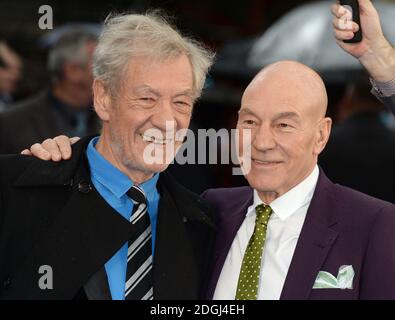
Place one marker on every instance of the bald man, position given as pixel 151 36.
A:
pixel 292 234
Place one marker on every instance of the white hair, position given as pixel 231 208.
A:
pixel 126 36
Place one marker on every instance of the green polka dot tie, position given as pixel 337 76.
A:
pixel 247 287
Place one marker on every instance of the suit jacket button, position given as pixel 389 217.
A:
pixel 184 219
pixel 84 187
pixel 7 283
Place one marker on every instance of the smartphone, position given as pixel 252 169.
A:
pixel 353 6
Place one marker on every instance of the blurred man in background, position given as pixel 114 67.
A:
pixel 10 73
pixel 64 108
pixel 375 53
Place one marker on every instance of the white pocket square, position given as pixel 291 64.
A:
pixel 344 279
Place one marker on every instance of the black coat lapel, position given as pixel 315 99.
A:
pixel 84 236
pixel 184 235
pixel 97 287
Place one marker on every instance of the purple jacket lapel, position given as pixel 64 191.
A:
pixel 314 244
pixel 229 224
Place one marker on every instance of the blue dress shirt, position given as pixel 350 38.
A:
pixel 112 185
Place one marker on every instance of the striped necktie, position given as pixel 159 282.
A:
pixel 139 284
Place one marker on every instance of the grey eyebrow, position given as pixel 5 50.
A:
pixel 187 92
pixel 146 87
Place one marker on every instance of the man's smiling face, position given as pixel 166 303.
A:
pixel 288 130
pixel 154 102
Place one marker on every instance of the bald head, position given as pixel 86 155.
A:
pixel 283 109
pixel 292 81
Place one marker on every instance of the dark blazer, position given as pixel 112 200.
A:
pixel 32 121
pixel 342 227
pixel 50 214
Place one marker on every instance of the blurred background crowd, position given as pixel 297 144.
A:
pixel 45 77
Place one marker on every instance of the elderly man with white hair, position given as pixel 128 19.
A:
pixel 108 224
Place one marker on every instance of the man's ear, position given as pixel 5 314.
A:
pixel 101 100
pixel 324 132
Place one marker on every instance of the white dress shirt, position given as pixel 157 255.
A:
pixel 284 227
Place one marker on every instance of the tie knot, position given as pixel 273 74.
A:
pixel 263 214
pixel 137 195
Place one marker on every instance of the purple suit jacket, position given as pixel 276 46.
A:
pixel 342 227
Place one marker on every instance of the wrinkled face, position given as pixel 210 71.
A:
pixel 10 73
pixel 287 137
pixel 155 101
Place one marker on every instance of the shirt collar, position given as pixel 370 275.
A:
pixel 294 199
pixel 112 178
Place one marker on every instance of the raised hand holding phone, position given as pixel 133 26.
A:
pixel 373 51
